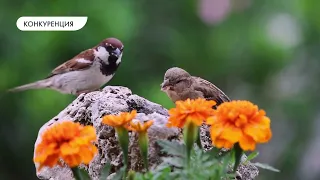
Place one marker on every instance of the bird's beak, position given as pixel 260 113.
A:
pixel 116 53
pixel 165 85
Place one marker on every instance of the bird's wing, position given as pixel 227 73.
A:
pixel 210 91
pixel 80 62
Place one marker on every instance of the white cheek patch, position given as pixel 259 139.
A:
pixel 119 60
pixel 82 60
pixel 102 54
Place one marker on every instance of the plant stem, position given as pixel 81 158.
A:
pixel 199 140
pixel 190 133
pixel 143 145
pixel 238 154
pixel 124 143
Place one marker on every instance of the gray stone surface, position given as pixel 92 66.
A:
pixel 89 108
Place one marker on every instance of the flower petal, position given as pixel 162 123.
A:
pixel 239 121
pixel 72 160
pixel 258 133
pixel 231 134
pixel 216 130
pixel 87 154
pixel 222 143
pixel 247 143
pixel 197 110
pixel 67 149
pixel 64 140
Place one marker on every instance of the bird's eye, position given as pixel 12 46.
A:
pixel 110 48
pixel 179 81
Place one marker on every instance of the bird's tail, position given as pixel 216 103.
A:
pixel 35 85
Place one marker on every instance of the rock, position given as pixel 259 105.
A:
pixel 88 110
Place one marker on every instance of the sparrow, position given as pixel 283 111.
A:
pixel 178 84
pixel 85 72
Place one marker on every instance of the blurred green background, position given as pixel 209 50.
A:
pixel 263 51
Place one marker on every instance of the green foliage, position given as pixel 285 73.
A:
pixel 80 174
pixel 236 154
pixel 251 156
pixel 175 149
pixel 266 166
pixel 105 171
pixel 203 165
pixel 121 174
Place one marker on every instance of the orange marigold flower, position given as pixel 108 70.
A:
pixel 196 110
pixel 239 121
pixel 140 127
pixel 69 141
pixel 122 119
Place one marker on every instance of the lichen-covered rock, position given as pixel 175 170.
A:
pixel 89 108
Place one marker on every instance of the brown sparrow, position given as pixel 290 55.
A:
pixel 85 72
pixel 180 85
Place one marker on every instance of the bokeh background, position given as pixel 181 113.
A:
pixel 263 51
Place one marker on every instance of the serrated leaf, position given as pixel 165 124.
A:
pixel 213 152
pixel 174 161
pixel 266 166
pixel 209 163
pixel 105 171
pixel 172 148
pixel 161 166
pixel 252 156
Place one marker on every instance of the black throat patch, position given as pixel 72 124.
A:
pixel 108 69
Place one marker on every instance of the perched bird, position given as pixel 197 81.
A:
pixel 180 85
pixel 85 72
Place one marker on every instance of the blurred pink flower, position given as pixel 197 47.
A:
pixel 214 11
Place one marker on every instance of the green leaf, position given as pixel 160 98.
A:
pixel 172 148
pixel 120 173
pixel 105 171
pixel 223 152
pixel 230 176
pixel 138 176
pixel 80 174
pixel 252 156
pixel 84 174
pixel 266 166
pixel 226 160
pixel 131 175
pixel 214 152
pixel 163 174
pixel 174 161
pixel 203 165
